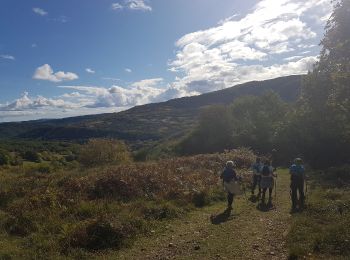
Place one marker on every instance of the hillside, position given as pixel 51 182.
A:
pixel 148 123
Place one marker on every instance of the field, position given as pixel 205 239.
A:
pixel 80 212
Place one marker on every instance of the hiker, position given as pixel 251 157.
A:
pixel 267 181
pixel 297 174
pixel 229 177
pixel 257 168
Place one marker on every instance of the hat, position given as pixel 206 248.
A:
pixel 230 164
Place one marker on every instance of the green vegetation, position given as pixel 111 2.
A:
pixel 70 189
pixel 316 127
pixel 249 121
pixel 323 229
pixel 99 152
pixel 63 212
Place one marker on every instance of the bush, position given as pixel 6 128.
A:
pixel 32 156
pixel 100 234
pixel 19 225
pixel 4 158
pixel 103 152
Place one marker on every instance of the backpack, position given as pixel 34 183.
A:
pixel 266 170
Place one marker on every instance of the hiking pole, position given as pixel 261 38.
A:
pixel 306 188
pixel 276 189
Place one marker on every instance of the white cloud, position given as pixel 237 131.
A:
pixel 276 38
pixel 91 71
pixel 297 57
pixel 245 48
pixel 27 103
pixel 7 57
pixel 40 11
pixel 128 70
pixel 117 6
pixel 137 93
pixel 45 72
pixel 34 45
pixel 137 5
pixel 147 83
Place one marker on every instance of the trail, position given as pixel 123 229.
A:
pixel 248 233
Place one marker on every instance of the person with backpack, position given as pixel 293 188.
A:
pixel 230 179
pixel 267 181
pixel 297 174
pixel 257 168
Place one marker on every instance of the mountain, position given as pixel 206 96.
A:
pixel 147 123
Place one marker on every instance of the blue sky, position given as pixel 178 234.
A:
pixel 66 58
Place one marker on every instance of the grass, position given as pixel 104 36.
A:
pixel 323 229
pixel 80 213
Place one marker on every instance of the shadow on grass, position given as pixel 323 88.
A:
pixel 222 217
pixel 265 207
pixel 253 198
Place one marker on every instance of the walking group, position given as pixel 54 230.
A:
pixel 264 178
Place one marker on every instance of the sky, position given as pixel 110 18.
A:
pixel 63 58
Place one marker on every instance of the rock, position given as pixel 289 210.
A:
pixel 171 245
pixel 255 246
pixel 197 247
pixel 272 253
pixel 153 231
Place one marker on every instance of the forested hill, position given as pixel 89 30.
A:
pixel 147 123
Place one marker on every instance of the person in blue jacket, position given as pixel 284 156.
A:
pixel 297 173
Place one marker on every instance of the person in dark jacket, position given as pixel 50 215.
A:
pixel 297 175
pixel 257 168
pixel 267 181
pixel 229 175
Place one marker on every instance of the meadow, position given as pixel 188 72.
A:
pixel 77 212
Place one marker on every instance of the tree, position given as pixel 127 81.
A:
pixel 249 121
pixel 213 133
pixel 103 152
pixel 323 115
pixel 256 120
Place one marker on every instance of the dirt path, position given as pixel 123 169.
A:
pixel 248 233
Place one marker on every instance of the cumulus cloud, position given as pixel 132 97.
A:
pixel 128 70
pixel 137 5
pixel 91 71
pixel 137 93
pixel 7 57
pixel 40 11
pixel 250 47
pixel 25 102
pixel 275 38
pixel 45 72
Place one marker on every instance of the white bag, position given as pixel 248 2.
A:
pixel 233 187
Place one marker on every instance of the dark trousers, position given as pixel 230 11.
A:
pixel 264 192
pixel 229 199
pixel 297 186
pixel 256 181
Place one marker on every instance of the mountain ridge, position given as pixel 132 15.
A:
pixel 150 122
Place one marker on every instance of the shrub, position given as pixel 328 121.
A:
pixel 100 234
pixel 103 152
pixel 4 158
pixel 32 156
pixel 19 225
pixel 161 210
